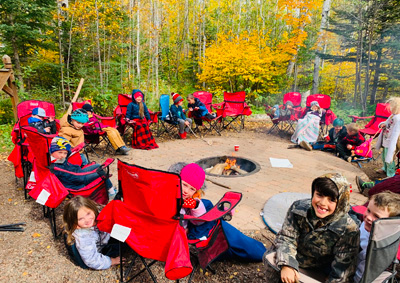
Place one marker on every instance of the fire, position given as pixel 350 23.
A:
pixel 230 163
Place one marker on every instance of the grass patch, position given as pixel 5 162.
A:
pixel 5 138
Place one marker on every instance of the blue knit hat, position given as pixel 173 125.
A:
pixel 338 122
pixel 80 115
pixel 60 143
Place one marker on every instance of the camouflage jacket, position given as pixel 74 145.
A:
pixel 306 241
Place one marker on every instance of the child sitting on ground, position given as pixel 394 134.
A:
pixel 381 205
pixel 317 234
pixel 177 115
pixel 349 142
pixel 94 247
pixel 241 247
pixel 40 123
pixel 335 136
pixel 73 176
pixel 96 127
pixel 138 115
pixel 198 110
pixel 71 129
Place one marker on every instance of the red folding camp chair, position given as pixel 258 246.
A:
pixel 233 109
pixel 324 102
pixel 382 113
pixel 149 220
pixel 47 189
pixel 285 123
pixel 20 155
pixel 120 114
pixel 94 140
pixel 215 123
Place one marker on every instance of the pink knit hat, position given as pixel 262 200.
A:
pixel 194 175
pixel 137 94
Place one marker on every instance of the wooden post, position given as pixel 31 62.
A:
pixel 78 90
pixel 7 83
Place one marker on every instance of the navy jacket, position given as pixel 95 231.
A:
pixel 133 111
pixel 339 137
pixel 177 112
pixel 202 111
pixel 75 178
pixel 39 125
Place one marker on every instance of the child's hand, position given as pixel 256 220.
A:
pixel 51 118
pixel 349 146
pixel 190 109
pixel 189 203
pixel 47 129
pixel 289 275
pixel 196 108
pixel 187 123
pixel 116 260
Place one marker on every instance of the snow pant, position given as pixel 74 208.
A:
pixel 182 127
pixel 114 137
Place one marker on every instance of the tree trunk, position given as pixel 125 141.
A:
pixel 60 57
pixel 17 65
pixel 138 43
pixel 376 77
pixel 98 47
pixel 317 62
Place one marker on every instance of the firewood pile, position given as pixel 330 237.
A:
pixel 229 167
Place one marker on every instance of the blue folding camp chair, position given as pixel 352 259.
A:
pixel 168 125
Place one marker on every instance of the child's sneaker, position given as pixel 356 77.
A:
pixel 306 145
pixel 112 192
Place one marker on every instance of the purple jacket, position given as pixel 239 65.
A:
pixel 93 127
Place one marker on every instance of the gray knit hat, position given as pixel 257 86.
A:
pixel 315 103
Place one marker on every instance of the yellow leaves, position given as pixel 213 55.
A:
pixel 36 235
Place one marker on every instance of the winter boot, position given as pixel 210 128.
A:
pixel 183 135
pixel 331 146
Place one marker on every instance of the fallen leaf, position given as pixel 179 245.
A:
pixel 29 252
pixel 25 273
pixel 48 247
pixel 36 235
pixel 234 273
pixel 10 199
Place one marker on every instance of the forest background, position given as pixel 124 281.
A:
pixel 348 49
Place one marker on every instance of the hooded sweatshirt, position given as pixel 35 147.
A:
pixel 332 242
pixel 75 136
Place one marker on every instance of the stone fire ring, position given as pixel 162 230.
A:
pixel 246 164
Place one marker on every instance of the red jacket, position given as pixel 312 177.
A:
pixel 353 140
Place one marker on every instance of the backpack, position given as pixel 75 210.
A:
pixel 364 149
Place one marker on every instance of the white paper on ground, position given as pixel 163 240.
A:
pixel 119 232
pixel 282 163
pixel 43 197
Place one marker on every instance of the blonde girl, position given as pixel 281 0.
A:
pixel 93 246
pixel 388 138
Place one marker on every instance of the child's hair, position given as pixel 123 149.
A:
pixel 177 168
pixel 394 103
pixel 191 96
pixel 70 216
pixel 388 200
pixel 352 127
pixel 325 187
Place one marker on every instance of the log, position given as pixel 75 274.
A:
pixel 238 170
pixel 218 169
pixel 217 183
pixel 78 90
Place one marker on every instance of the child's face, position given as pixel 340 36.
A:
pixel 180 103
pixel 351 133
pixel 323 206
pixel 86 218
pixel 38 117
pixel 190 100
pixel 338 128
pixel 314 108
pixel 373 213
pixel 187 190
pixel 90 113
pixel 139 99
pixel 60 154
pixel 77 125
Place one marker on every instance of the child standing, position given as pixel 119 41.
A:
pixel 381 205
pixel 241 247
pixel 71 129
pixel 96 127
pixel 39 122
pixel 349 142
pixel 317 233
pixel 388 138
pixel 93 246
pixel 179 116
pixel 73 176
pixel 198 110
pixel 138 115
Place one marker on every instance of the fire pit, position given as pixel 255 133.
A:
pixel 228 166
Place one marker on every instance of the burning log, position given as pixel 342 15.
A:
pixel 218 169
pixel 238 170
pixel 229 167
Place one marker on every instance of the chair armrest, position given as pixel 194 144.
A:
pixel 355 118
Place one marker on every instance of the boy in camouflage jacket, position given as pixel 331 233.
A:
pixel 317 234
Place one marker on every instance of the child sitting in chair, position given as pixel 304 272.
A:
pixel 95 127
pixel 40 123
pixel 317 234
pixel 138 116
pixel 381 205
pixel 335 136
pixel 95 250
pixel 241 247
pixel 73 176
pixel 349 142
pixel 71 129
pixel 177 115
pixel 198 110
